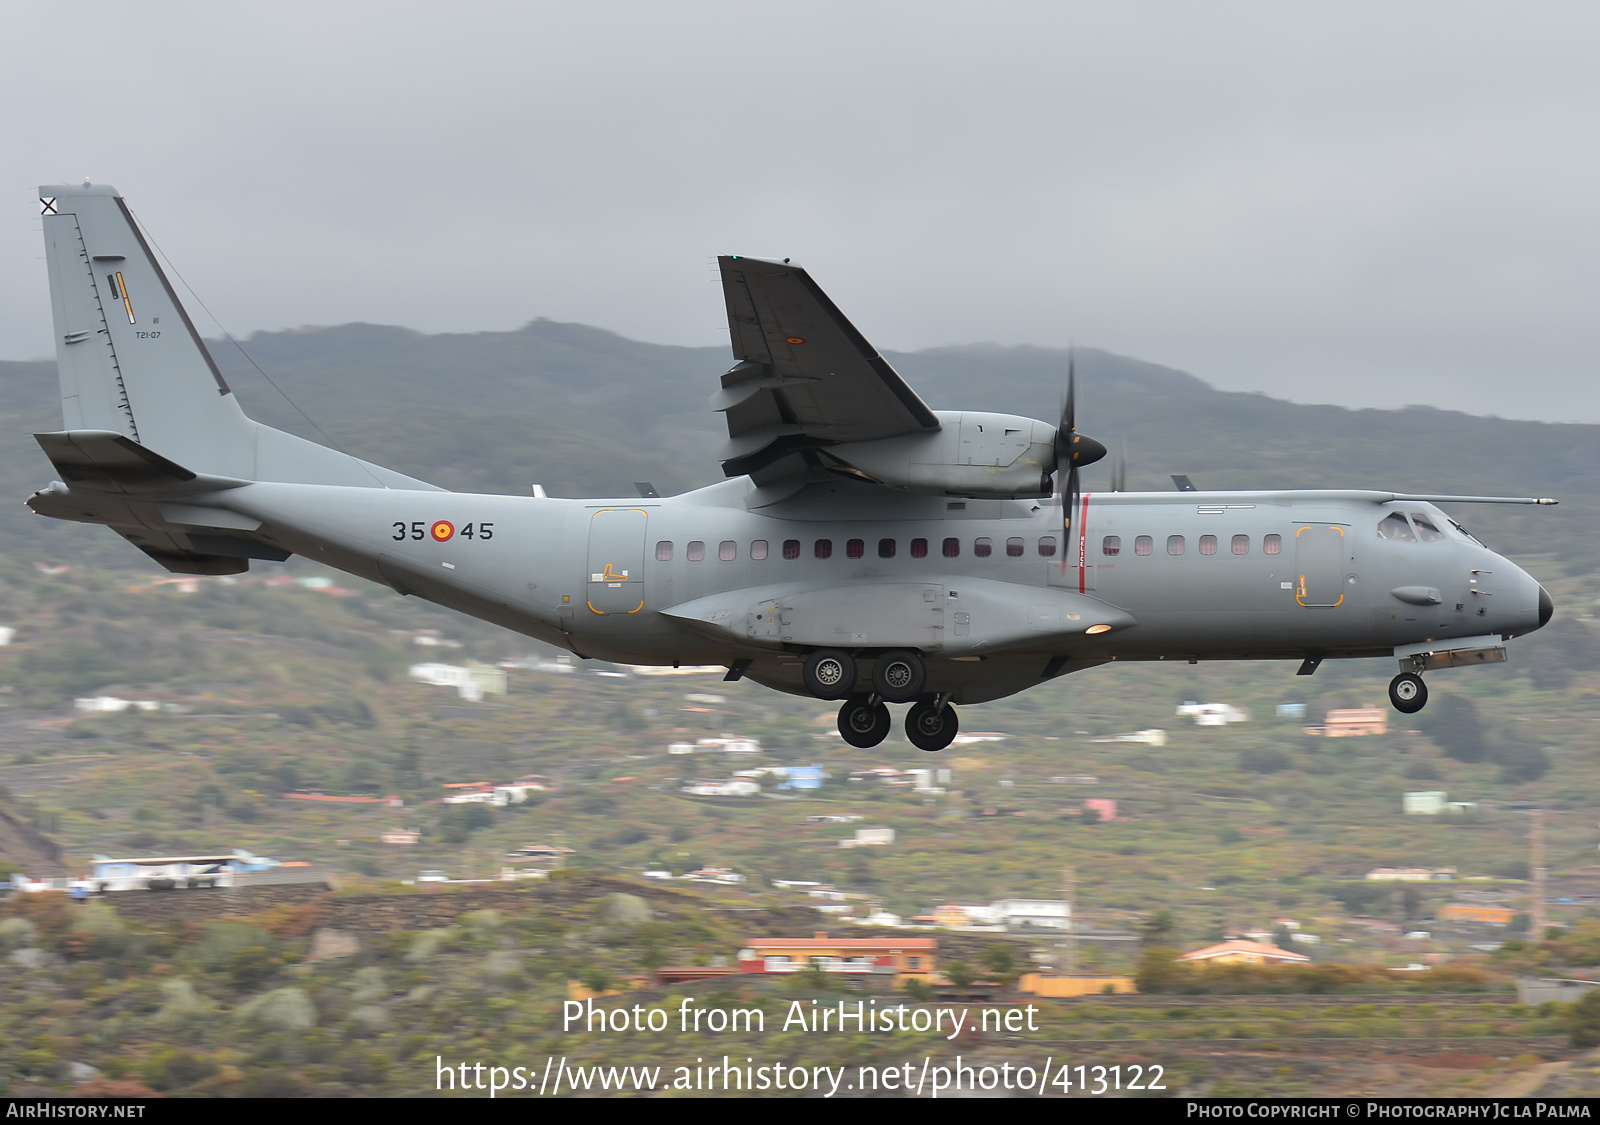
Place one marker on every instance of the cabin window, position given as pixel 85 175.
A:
pixel 1426 531
pixel 1047 546
pixel 1143 545
pixel 886 548
pixel 664 551
pixel 1272 544
pixel 855 548
pixel 919 548
pixel 727 550
pixel 758 549
pixel 1175 544
pixel 1111 546
pixel 952 548
pixel 983 547
pixel 791 548
pixel 1394 526
pixel 1014 547
pixel 823 549
pixel 1241 544
pixel 697 551
pixel 1208 544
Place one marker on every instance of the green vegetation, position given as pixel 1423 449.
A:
pixel 275 688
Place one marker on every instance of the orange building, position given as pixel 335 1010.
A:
pixel 1468 912
pixel 1356 721
pixel 1241 952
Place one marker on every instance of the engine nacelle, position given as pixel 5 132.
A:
pixel 974 453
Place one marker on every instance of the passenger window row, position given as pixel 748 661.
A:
pixel 982 547
pixel 1111 545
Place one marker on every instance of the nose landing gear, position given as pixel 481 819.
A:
pixel 1408 693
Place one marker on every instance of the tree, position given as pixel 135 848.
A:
pixel 1000 963
pixel 1583 1020
pixel 1160 928
pixel 1159 970
pixel 1453 724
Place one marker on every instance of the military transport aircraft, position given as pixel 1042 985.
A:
pixel 865 548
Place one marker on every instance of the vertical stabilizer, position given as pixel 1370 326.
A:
pixel 130 360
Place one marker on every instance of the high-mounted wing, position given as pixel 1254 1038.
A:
pixel 806 378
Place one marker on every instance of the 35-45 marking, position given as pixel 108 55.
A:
pixel 442 531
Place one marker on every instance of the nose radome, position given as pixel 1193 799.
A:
pixel 1547 607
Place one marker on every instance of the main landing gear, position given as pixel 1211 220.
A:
pixel 930 724
pixel 898 676
pixel 1408 693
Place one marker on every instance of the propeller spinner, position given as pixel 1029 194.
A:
pixel 1073 450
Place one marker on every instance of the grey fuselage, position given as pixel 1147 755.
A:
pixel 593 576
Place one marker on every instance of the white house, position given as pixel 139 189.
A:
pixel 472 683
pixel 1213 714
pixel 733 787
pixel 1031 914
pixel 869 837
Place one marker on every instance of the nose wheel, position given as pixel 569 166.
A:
pixel 1408 693
pixel 863 721
pixel 931 725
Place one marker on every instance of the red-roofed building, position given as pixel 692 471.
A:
pixel 901 957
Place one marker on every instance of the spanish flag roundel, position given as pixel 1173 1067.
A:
pixel 442 530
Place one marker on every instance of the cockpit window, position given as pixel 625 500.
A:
pixel 1426 531
pixel 1469 536
pixel 1394 526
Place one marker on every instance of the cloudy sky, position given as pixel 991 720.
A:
pixel 1371 204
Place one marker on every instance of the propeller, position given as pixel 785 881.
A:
pixel 1072 451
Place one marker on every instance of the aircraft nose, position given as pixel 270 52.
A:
pixel 1547 607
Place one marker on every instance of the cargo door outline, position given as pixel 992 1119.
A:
pixel 614 580
pixel 1319 550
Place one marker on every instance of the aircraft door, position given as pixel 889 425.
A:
pixel 1319 555
pixel 616 560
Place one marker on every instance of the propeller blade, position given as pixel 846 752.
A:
pixel 1069 414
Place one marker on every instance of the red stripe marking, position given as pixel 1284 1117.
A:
pixel 1083 543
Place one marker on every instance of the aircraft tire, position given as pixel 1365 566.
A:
pixel 830 673
pixel 898 676
pixel 929 729
pixel 1408 693
pixel 863 724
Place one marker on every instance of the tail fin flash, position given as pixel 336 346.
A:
pixel 130 360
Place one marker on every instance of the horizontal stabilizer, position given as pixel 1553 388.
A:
pixel 109 462
pixel 103 461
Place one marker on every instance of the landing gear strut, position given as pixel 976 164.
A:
pixel 931 725
pixel 1408 693
pixel 863 721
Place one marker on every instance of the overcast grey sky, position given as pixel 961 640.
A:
pixel 1371 204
